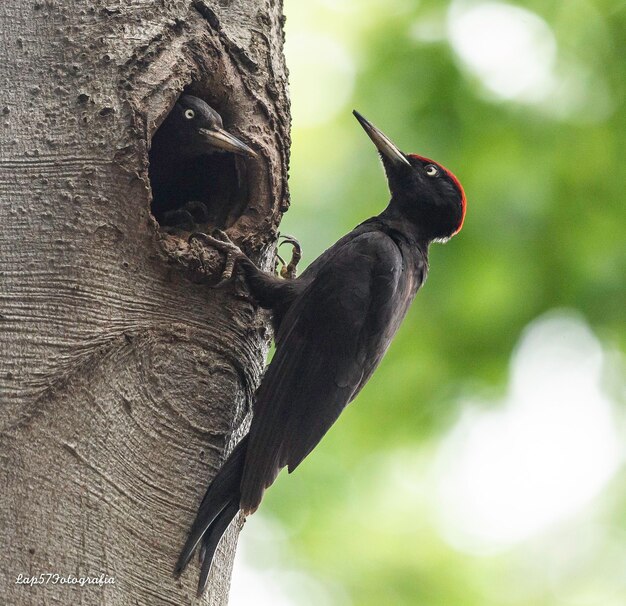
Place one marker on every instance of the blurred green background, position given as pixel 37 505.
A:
pixel 484 462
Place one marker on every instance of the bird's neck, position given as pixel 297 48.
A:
pixel 393 219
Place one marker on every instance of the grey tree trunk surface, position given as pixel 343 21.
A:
pixel 124 378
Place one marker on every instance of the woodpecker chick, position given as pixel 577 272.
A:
pixel 191 131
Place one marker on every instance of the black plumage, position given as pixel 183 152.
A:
pixel 333 325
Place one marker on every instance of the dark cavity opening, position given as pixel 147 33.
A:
pixel 196 185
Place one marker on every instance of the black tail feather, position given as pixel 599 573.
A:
pixel 219 500
pixel 211 539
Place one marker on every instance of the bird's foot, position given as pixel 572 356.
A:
pixel 179 219
pixel 188 217
pixel 223 243
pixel 198 210
pixel 288 270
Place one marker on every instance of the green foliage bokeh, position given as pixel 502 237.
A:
pixel 544 230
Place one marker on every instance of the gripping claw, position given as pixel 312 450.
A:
pixel 220 240
pixel 288 271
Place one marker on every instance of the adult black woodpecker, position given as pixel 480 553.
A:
pixel 192 131
pixel 333 325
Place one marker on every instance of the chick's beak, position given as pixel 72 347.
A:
pixel 382 142
pixel 221 139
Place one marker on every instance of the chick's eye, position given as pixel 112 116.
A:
pixel 431 170
pixel 190 114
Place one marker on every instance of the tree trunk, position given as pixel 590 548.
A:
pixel 124 378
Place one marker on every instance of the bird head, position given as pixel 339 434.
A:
pixel 422 191
pixel 196 128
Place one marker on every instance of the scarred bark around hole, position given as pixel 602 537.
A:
pixel 123 378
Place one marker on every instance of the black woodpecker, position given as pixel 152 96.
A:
pixel 191 131
pixel 333 324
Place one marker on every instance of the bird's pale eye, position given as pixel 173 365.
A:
pixel 431 170
pixel 190 114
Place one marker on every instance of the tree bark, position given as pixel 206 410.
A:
pixel 124 378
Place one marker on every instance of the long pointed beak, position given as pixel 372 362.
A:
pixel 382 142
pixel 221 139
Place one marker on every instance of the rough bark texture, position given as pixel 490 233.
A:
pixel 123 377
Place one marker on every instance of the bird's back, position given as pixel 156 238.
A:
pixel 329 343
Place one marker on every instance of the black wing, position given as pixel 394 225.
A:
pixel 329 343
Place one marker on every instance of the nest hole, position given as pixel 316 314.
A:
pixel 195 189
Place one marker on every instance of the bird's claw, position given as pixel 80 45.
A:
pixel 198 210
pixel 189 217
pixel 179 219
pixel 223 243
pixel 288 270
